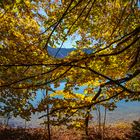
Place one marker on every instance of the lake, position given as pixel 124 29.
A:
pixel 125 112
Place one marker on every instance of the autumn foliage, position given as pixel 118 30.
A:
pixel 110 73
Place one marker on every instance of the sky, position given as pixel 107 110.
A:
pixel 70 42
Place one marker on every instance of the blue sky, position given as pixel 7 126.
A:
pixel 70 42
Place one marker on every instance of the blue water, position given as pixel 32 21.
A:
pixel 41 93
pixel 125 111
pixel 133 105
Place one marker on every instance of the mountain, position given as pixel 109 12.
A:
pixel 63 52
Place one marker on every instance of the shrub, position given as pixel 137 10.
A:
pixel 135 132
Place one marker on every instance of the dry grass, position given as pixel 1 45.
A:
pixel 114 132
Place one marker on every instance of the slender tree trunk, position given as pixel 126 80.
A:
pixel 25 125
pixel 8 116
pixel 48 124
pixel 87 120
pixel 99 118
pixel 48 119
pixel 104 123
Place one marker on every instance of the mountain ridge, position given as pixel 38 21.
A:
pixel 64 52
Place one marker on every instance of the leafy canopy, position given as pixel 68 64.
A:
pixel 110 73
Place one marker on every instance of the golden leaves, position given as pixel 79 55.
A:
pixel 27 2
pixel 105 28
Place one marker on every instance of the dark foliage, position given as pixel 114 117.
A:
pixel 135 133
pixel 22 134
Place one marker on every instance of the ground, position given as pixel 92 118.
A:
pixel 117 131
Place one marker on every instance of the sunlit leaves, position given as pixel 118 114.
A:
pixel 109 29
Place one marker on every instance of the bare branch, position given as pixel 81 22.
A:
pixel 46 45
pixel 72 26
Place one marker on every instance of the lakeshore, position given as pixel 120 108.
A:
pixel 125 112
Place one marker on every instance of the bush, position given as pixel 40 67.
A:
pixel 135 132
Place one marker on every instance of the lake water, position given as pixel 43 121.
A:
pixel 125 112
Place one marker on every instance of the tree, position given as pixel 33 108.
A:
pixel 110 73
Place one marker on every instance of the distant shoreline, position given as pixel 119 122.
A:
pixel 125 112
pixel 111 119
